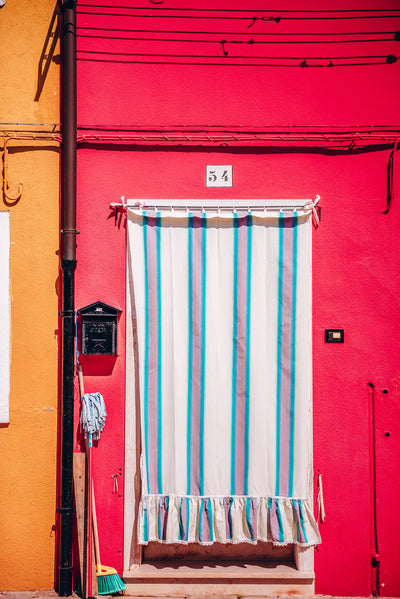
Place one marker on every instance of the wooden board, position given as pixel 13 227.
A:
pixel 80 505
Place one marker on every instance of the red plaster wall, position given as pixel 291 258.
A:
pixel 100 275
pixel 356 262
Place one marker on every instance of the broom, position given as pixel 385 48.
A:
pixel 108 581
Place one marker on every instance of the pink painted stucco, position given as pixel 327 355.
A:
pixel 356 261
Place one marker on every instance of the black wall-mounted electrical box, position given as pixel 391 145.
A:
pixel 334 335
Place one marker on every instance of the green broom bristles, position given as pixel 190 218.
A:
pixel 108 581
pixel 109 584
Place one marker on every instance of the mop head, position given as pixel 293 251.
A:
pixel 108 581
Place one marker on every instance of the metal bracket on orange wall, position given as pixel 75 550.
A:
pixel 8 197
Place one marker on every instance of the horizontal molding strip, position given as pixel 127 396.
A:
pixel 325 137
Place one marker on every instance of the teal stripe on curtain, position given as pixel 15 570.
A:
pixel 279 359
pixel 159 354
pixel 146 351
pixel 203 346
pixel 190 355
pixel 234 351
pixel 293 357
pixel 248 355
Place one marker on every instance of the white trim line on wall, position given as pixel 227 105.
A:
pixel 4 316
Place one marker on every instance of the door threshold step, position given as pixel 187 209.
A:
pixel 195 578
pixel 197 569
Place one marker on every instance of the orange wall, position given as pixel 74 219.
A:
pixel 28 442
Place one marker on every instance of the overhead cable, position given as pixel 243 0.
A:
pixel 303 64
pixel 367 10
pixel 248 41
pixel 253 19
pixel 395 34
pixel 390 58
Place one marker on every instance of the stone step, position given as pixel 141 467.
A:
pixel 198 580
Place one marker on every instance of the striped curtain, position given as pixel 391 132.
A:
pixel 222 307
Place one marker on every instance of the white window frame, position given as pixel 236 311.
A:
pixel 4 316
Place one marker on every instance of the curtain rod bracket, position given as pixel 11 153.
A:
pixel 218 207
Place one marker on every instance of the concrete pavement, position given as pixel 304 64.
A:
pixel 53 595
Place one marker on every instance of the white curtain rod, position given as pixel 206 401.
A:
pixel 217 205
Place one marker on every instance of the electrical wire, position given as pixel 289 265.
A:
pixel 391 186
pixel 211 41
pixel 367 10
pixel 264 18
pixel 232 64
pixel 150 55
pixel 395 34
pixel 244 14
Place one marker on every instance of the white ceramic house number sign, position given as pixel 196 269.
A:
pixel 219 175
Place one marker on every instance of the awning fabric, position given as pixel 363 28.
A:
pixel 222 314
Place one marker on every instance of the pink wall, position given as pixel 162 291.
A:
pixel 356 263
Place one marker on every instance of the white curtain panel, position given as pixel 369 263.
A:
pixel 223 321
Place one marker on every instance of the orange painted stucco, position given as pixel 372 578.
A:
pixel 28 441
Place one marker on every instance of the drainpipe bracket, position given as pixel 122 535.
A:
pixel 66 510
pixel 375 561
pixel 67 4
pixel 65 313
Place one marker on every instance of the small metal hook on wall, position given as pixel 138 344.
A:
pixel 6 186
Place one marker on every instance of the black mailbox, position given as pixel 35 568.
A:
pixel 99 329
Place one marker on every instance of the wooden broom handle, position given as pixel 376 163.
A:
pixel 90 520
pixel 80 378
pixel 95 531
pixel 91 512
pixel 94 517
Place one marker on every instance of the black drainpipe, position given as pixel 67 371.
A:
pixel 375 558
pixel 68 265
